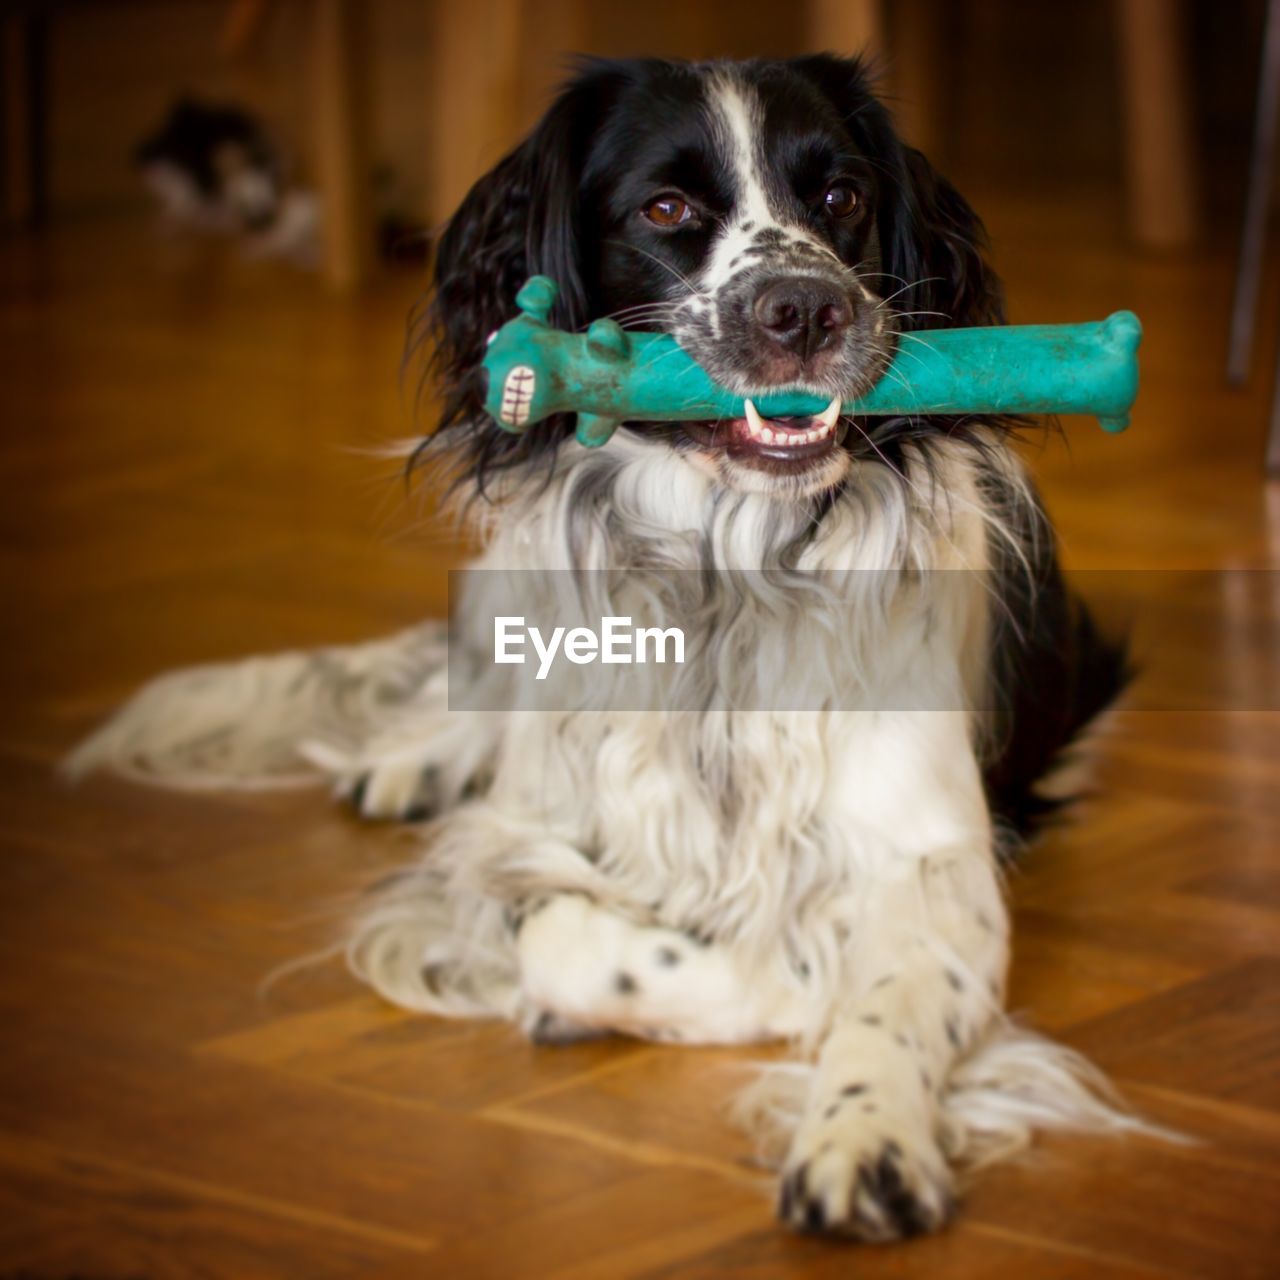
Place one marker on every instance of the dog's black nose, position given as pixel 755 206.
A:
pixel 803 313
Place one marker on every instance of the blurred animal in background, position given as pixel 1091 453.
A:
pixel 216 169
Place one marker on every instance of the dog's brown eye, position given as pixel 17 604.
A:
pixel 840 201
pixel 668 211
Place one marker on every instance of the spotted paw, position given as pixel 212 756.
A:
pixel 865 1184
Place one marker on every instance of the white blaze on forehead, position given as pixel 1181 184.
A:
pixel 737 116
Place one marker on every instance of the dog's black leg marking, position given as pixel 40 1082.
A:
pixel 356 798
pixel 422 806
pixel 881 1206
pixel 883 1183
pixel 815 1216
pixel 519 912
pixel 552 1030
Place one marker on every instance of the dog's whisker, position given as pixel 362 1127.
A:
pixel 694 291
pixel 902 315
pixel 914 284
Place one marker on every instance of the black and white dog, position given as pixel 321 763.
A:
pixel 723 874
pixel 216 169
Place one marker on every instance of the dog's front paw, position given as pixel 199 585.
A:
pixel 849 1176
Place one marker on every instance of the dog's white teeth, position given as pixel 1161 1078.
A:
pixel 762 430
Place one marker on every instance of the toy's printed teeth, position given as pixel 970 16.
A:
pixel 769 431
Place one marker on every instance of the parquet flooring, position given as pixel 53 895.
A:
pixel 186 476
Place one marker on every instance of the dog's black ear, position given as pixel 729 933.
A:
pixel 520 219
pixel 929 237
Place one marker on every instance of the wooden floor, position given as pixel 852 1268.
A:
pixel 186 475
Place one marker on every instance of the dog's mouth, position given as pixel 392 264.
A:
pixel 776 443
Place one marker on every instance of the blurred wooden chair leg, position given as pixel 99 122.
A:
pixel 563 28
pixel 13 145
pixel 1273 432
pixel 846 26
pixel 24 74
pixel 241 26
pixel 340 111
pixel 476 77
pixel 920 72
pixel 1257 203
pixel 1162 178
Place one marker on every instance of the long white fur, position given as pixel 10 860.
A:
pixel 705 875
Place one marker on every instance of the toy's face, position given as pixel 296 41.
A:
pixel 745 224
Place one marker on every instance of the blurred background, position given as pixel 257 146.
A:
pixel 218 215
pixel 1087 99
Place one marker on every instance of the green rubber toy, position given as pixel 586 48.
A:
pixel 608 376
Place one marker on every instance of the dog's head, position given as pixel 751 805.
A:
pixel 764 213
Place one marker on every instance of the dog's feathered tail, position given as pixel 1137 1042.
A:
pixel 247 724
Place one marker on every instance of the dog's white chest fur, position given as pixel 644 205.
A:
pixel 761 825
